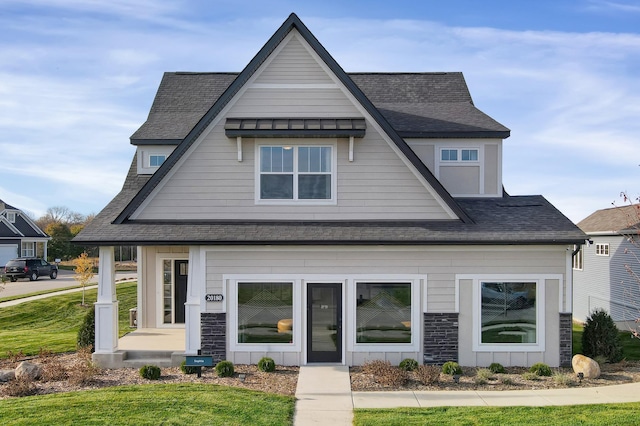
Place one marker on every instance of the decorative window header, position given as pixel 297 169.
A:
pixel 295 127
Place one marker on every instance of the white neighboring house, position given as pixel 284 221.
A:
pixel 19 235
pixel 312 215
pixel 604 269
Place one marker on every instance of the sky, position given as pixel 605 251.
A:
pixel 77 78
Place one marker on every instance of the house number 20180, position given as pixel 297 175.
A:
pixel 213 298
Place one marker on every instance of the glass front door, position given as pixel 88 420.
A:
pixel 324 322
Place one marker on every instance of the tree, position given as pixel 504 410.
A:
pixel 60 244
pixel 84 271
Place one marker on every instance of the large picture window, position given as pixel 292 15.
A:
pixel 265 312
pixel 296 172
pixel 383 312
pixel 508 312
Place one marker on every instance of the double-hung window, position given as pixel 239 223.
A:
pixel 156 160
pixel 296 173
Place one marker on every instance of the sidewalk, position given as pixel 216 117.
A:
pixel 324 397
pixel 44 296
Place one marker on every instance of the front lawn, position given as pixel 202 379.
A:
pixel 52 323
pixel 172 404
pixel 600 414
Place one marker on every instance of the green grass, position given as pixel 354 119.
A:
pixel 22 296
pixel 53 322
pixel 630 345
pixel 167 404
pixel 599 414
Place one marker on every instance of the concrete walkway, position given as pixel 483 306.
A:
pixel 324 397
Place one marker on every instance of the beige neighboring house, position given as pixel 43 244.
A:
pixel 604 269
pixel 19 235
pixel 301 212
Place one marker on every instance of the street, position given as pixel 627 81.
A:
pixel 65 279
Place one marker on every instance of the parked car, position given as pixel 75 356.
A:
pixel 30 267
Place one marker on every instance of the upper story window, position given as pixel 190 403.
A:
pixel 11 217
pixel 296 173
pixel 458 154
pixel 156 160
pixel 602 249
pixel 578 260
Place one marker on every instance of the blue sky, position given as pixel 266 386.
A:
pixel 77 78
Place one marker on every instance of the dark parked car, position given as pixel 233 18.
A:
pixel 30 267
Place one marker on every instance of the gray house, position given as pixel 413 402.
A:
pixel 297 211
pixel 604 269
pixel 19 235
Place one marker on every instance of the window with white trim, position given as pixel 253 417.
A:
pixel 458 155
pixel 602 249
pixel 156 160
pixel 11 217
pixel 28 249
pixel 383 312
pixel 578 260
pixel 508 314
pixel 301 173
pixel 265 312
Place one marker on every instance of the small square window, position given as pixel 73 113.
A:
pixel 602 249
pixel 469 155
pixel 156 160
pixel 449 155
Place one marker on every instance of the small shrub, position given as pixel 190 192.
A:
pixel 601 360
pixel 188 369
pixel 54 371
pixel 266 364
pixel 408 364
pixel 87 332
pixel 564 379
pixel 85 370
pixel 496 368
pixel 386 374
pixel 484 374
pixel 541 369
pixel 600 337
pixel 224 369
pixel 506 381
pixel 150 372
pixel 529 375
pixel 428 374
pixel 20 387
pixel 451 368
pixel 15 356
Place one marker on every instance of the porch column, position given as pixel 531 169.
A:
pixel 107 304
pixel 196 287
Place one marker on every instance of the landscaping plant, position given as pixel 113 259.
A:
pixel 224 369
pixel 266 364
pixel 541 369
pixel 496 368
pixel 451 368
pixel 188 369
pixel 408 364
pixel 150 372
pixel 87 332
pixel 600 337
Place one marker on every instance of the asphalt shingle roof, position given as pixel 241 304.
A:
pixel 415 104
pixel 612 220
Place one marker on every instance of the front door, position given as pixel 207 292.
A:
pixel 324 322
pixel 180 290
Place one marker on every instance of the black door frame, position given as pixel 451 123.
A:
pixel 329 356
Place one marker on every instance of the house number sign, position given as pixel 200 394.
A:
pixel 213 298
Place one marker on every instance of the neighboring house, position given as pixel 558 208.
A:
pixel 19 235
pixel 297 211
pixel 601 278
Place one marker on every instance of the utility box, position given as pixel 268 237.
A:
pixel 133 317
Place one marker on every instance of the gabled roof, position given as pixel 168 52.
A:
pixel 417 105
pixel 614 220
pixel 23 227
pixel 292 22
pixel 527 220
pixel 5 206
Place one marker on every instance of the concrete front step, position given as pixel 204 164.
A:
pixel 137 359
pixel 141 362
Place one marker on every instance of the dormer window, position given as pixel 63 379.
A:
pixel 11 217
pixel 296 173
pixel 156 160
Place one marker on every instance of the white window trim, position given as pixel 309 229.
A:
pixel 160 288
pixel 416 309
pixel 232 307
pixel 541 306
pixel 298 143
pixel 602 249
pixel 25 251
pixel 155 154
pixel 11 217
pixel 577 262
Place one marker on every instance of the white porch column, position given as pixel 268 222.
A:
pixel 196 288
pixel 107 304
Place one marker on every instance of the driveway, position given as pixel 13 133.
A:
pixel 65 279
